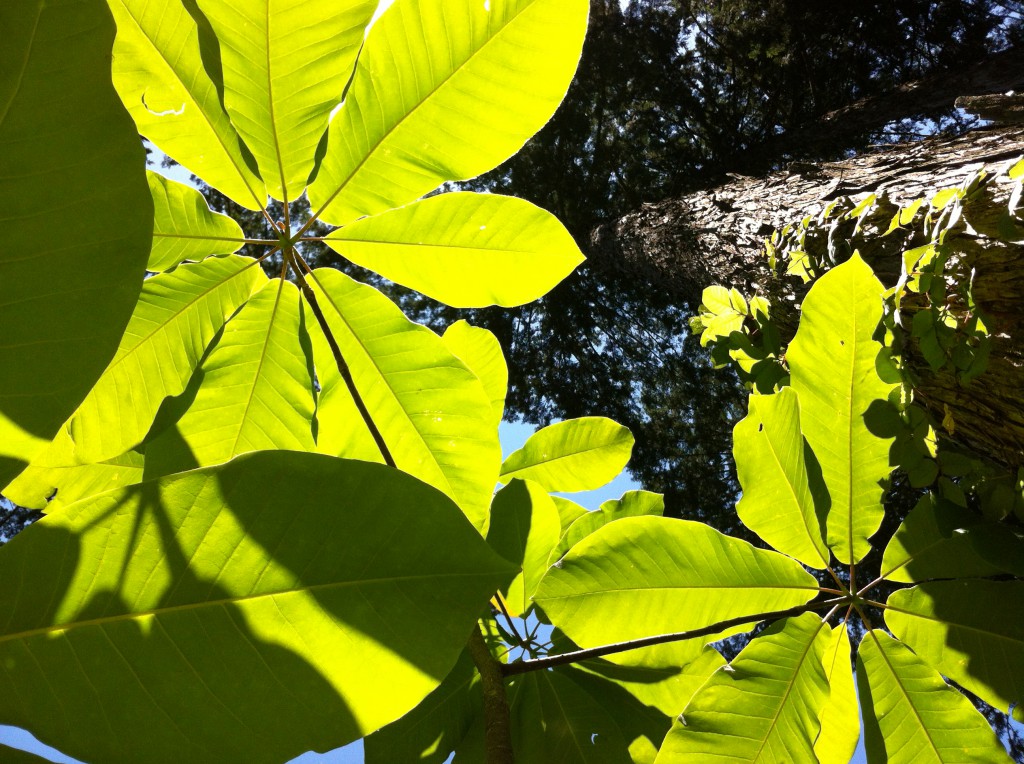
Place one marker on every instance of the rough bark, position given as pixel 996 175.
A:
pixel 716 236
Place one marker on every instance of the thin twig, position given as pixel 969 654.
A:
pixel 339 360
pixel 522 667
pixel 508 618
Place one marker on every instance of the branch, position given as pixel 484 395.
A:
pixel 339 360
pixel 522 667
pixel 497 717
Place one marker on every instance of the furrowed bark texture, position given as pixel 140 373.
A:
pixel 716 236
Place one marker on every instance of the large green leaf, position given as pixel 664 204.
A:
pixel 464 249
pixel 159 74
pixel 17 756
pixel 653 575
pixel 764 706
pixel 285 66
pixel 524 529
pixel 555 719
pixel 777 502
pixel 912 715
pixel 933 541
pixel 66 288
pixel 184 226
pixel 840 727
pixel 449 102
pixel 255 393
pixel 832 361
pixel 431 731
pixel 434 413
pixel 574 455
pixel 167 632
pixel 481 352
pixel 972 631
pixel 176 318
pixel 630 504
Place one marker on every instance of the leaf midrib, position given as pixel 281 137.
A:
pixel 226 601
pixel 426 97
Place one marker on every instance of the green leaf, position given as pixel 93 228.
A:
pixel 630 504
pixel 432 730
pixel 832 362
pixel 176 318
pixel 158 72
pixel 255 391
pixel 568 512
pixel 777 683
pixel 652 575
pixel 912 715
pixel 574 455
pixel 446 103
pixel 481 352
pixel 717 300
pixel 555 719
pixel 68 146
pixel 184 226
pixel 777 503
pixel 972 631
pixel 285 68
pixel 36 485
pixel 840 727
pixel 933 541
pixel 169 633
pixel 524 529
pixel 436 416
pixel 464 249
pixel 664 676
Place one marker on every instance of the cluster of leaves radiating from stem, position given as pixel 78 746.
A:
pixel 225 573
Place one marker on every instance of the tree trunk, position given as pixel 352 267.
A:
pixel 716 236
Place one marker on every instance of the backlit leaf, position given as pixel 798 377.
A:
pixel 630 504
pixel 67 283
pixel 912 715
pixel 159 74
pixel 524 529
pixel 170 633
pixel 777 502
pixel 762 707
pixel 464 249
pixel 448 102
pixel 574 455
pixel 436 416
pixel 184 226
pixel 176 318
pixel 256 390
pixel 652 575
pixel 832 362
pixel 51 488
pixel 481 352
pixel 972 631
pixel 840 727
pixel 285 66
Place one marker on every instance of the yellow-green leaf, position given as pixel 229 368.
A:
pixel 481 352
pixel 777 501
pixel 448 102
pixel 840 727
pixel 464 249
pixel 188 622
pixel 832 361
pixel 158 72
pixel 435 415
pixel 574 455
pixel 184 226
pixel 286 63
pixel 912 715
pixel 255 391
